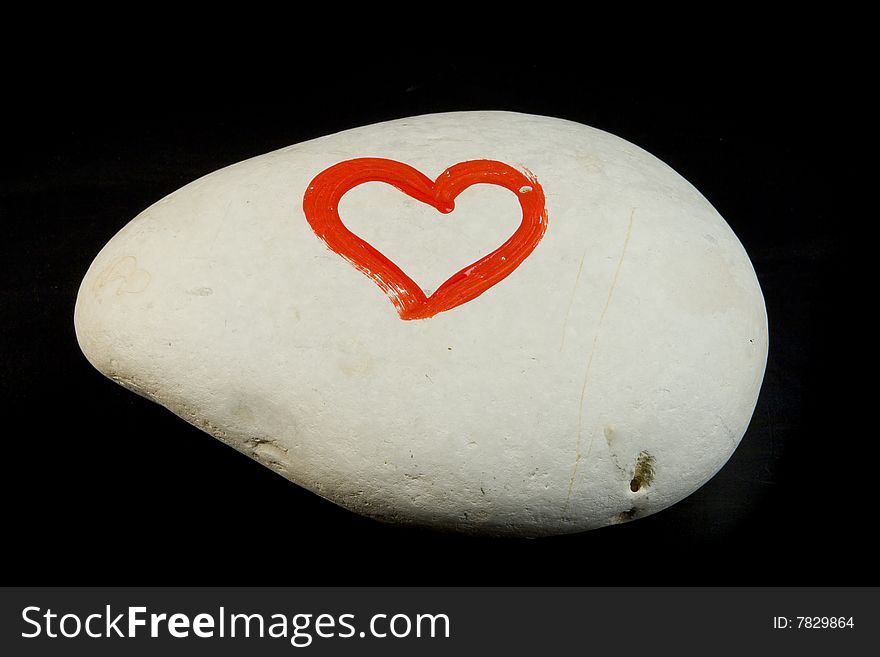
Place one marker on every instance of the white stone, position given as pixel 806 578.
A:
pixel 625 352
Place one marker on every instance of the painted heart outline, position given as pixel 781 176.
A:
pixel 321 207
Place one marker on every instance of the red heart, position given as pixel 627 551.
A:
pixel 321 203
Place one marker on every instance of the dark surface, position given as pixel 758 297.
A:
pixel 105 487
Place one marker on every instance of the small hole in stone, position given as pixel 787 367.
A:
pixel 643 473
pixel 625 516
pixel 525 189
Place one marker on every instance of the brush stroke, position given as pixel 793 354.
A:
pixel 321 207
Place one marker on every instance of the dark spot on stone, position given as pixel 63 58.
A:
pixel 643 473
pixel 626 516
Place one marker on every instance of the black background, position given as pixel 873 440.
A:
pixel 105 487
